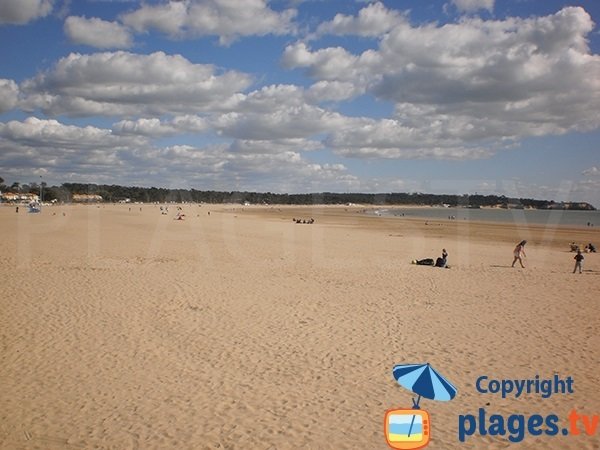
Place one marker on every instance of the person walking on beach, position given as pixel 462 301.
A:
pixel 578 261
pixel 517 252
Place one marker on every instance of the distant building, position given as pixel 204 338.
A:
pixel 13 197
pixel 578 206
pixel 87 198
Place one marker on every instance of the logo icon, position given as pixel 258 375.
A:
pixel 407 429
pixel 410 428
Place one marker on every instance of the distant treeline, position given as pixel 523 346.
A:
pixel 116 193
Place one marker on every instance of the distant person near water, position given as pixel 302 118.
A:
pixel 578 261
pixel 517 252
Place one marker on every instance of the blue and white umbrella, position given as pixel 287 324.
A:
pixel 425 382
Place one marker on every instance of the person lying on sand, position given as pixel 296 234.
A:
pixel 439 262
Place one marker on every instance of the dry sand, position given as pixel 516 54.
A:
pixel 240 329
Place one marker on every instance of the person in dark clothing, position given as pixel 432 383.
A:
pixel 443 260
pixel 424 262
pixel 578 261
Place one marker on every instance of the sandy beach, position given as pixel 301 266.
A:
pixel 122 328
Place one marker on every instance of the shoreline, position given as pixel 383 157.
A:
pixel 557 236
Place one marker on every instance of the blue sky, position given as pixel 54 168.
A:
pixel 455 96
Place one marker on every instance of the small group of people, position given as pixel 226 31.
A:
pixel 519 253
pixel 589 248
pixel 308 221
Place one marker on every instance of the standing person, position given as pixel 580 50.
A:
pixel 578 261
pixel 517 252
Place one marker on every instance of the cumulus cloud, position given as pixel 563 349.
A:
pixel 372 21
pixel 36 143
pixel 389 138
pixel 154 127
pixel 97 33
pixel 222 18
pixel 92 154
pixel 276 112
pixel 472 85
pixel 333 91
pixel 459 91
pixel 279 114
pixel 51 133
pixel 592 171
pixel 333 64
pixel 285 171
pixel 470 6
pixel 9 93
pixel 123 83
pixel 271 146
pixel 19 12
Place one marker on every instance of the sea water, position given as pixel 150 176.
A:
pixel 516 216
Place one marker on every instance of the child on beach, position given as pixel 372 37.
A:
pixel 517 252
pixel 578 261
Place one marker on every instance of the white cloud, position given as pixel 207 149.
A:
pixel 91 154
pixel 123 83
pixel 389 138
pixel 470 6
pixel 223 18
pixel 273 119
pixel 276 112
pixel 169 17
pixel 285 171
pixel 35 143
pixel 592 171
pixel 272 146
pixel 19 12
pixel 156 128
pixel 333 91
pixel 9 92
pixel 372 21
pixel 51 133
pixel 465 89
pixel 333 63
pixel 97 33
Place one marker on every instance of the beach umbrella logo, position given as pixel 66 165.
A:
pixel 410 428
